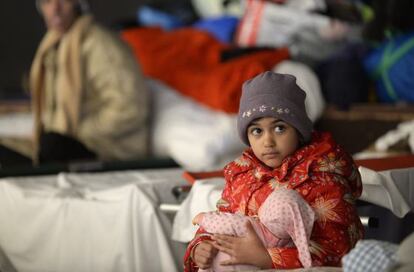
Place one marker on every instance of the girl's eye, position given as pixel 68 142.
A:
pixel 280 128
pixel 255 131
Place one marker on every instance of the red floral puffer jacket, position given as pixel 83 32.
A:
pixel 326 177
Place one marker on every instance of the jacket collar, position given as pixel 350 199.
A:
pixel 321 143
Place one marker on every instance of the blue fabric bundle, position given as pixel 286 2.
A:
pixel 391 65
pixel 149 16
pixel 222 27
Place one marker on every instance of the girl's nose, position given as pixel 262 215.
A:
pixel 268 140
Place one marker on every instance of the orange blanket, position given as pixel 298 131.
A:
pixel 188 60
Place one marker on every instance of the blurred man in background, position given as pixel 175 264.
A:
pixel 89 99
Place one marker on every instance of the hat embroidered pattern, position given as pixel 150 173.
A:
pixel 264 108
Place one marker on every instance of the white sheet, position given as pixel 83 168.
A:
pixel 89 222
pixel 392 189
pixel 203 197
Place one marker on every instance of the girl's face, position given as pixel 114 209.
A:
pixel 272 140
pixel 58 14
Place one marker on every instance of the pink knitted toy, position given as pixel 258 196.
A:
pixel 285 219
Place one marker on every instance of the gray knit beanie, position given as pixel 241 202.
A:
pixel 273 95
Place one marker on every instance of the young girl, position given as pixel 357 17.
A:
pixel 283 153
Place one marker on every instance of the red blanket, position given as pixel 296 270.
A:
pixel 188 60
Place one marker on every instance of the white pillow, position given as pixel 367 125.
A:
pixel 196 137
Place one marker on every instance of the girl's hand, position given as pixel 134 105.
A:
pixel 204 254
pixel 244 250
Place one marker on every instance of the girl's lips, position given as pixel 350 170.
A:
pixel 270 154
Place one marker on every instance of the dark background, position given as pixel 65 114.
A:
pixel 21 29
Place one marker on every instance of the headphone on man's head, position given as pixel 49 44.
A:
pixel 83 6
